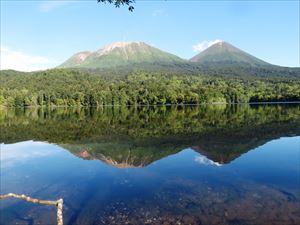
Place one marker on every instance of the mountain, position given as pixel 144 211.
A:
pixel 222 59
pixel 121 54
pixel 121 155
pixel 137 136
pixel 223 53
pixel 76 60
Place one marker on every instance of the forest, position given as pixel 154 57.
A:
pixel 152 132
pixel 66 87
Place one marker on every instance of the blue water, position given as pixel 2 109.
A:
pixel 263 179
pixel 153 166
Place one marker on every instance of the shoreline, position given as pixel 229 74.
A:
pixel 158 105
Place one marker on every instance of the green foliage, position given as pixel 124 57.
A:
pixel 222 132
pixel 119 3
pixel 62 87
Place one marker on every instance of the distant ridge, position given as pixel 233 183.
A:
pixel 223 53
pixel 221 58
pixel 76 60
pixel 121 54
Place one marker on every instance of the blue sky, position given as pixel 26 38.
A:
pixel 42 34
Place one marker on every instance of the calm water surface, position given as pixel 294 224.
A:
pixel 153 165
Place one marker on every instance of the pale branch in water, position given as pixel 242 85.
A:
pixel 58 204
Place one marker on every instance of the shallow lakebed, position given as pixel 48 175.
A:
pixel 234 164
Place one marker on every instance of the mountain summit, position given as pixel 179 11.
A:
pixel 223 53
pixel 121 54
pixel 221 58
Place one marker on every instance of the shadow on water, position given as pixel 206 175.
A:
pixel 155 165
pixel 220 132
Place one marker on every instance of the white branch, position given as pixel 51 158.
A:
pixel 59 204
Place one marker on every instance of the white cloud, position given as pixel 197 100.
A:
pixel 16 60
pixel 47 6
pixel 12 154
pixel 158 12
pixel 204 45
pixel 205 161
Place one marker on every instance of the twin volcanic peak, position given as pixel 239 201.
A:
pixel 121 54
pixel 139 53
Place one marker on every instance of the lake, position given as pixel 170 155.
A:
pixel 214 164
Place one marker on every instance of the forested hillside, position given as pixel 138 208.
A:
pixel 135 73
pixel 63 87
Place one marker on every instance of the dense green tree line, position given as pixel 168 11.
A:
pixel 77 88
pixel 72 125
pixel 223 131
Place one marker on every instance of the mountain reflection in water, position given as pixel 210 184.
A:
pixel 153 165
